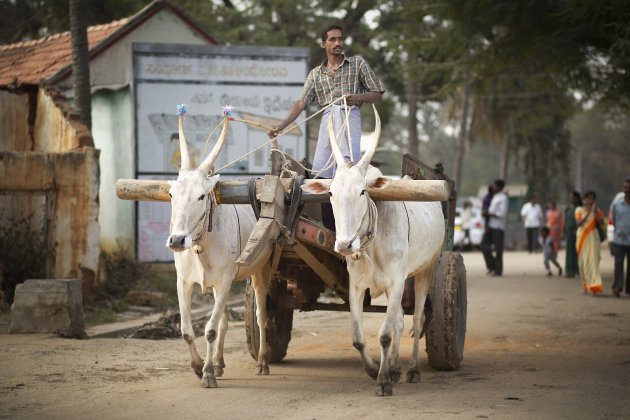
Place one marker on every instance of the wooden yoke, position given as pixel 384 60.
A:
pixel 269 225
pixel 236 192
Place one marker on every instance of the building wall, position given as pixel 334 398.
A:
pixel 71 180
pixel 14 127
pixel 113 129
pixel 111 122
pixel 112 68
pixel 48 174
pixel 53 130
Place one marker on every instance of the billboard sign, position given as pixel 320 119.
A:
pixel 260 83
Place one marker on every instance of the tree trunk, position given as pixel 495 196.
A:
pixel 460 144
pixel 413 145
pixel 505 157
pixel 578 169
pixel 80 62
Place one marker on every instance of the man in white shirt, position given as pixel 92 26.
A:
pixel 532 216
pixel 495 234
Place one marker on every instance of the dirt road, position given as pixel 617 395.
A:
pixel 536 348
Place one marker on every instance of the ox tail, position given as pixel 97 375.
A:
pixel 428 315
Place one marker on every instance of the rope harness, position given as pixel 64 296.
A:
pixel 206 221
pixel 371 214
pixel 330 161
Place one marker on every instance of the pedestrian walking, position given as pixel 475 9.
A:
pixel 550 252
pixel 532 216
pixel 587 217
pixel 555 224
pixel 492 243
pixel 466 217
pixel 570 234
pixel 620 213
pixel 485 205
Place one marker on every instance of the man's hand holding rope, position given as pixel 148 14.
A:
pixel 296 109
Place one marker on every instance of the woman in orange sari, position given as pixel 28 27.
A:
pixel 588 244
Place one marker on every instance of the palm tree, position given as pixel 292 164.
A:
pixel 80 62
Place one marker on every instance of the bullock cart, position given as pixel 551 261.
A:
pixel 305 266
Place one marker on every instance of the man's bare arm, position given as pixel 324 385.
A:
pixel 296 109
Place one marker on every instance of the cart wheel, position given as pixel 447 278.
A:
pixel 447 328
pixel 279 322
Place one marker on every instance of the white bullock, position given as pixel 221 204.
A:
pixel 207 239
pixel 408 243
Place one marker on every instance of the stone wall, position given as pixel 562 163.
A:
pixel 47 155
pixel 71 181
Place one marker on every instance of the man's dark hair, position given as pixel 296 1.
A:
pixel 330 28
pixel 590 194
pixel 500 183
pixel 577 195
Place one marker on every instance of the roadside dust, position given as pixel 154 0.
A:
pixel 536 347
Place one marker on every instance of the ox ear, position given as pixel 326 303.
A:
pixel 378 182
pixel 213 180
pixel 314 186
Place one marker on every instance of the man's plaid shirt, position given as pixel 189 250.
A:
pixel 354 76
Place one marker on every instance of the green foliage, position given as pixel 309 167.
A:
pixel 158 279
pixel 102 313
pixel 23 253
pixel 602 139
pixel 31 19
pixel 581 44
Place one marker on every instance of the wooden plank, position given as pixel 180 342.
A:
pixel 314 234
pixel 235 192
pixel 320 269
pixel 142 190
pixel 267 227
pixel 272 199
pixel 227 192
pixel 407 190
pixel 265 232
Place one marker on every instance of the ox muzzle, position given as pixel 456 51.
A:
pixel 179 243
pixel 347 248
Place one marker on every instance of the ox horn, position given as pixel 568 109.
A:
pixel 333 142
pixel 369 154
pixel 183 146
pixel 207 165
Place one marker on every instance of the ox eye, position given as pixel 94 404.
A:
pixel 201 197
pixel 362 192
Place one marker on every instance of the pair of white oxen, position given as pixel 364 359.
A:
pixel 408 243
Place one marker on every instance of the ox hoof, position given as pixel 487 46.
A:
pixel 218 371
pixel 208 382
pixel 198 369
pixel 384 390
pixel 262 370
pixel 413 376
pixel 372 371
pixel 395 373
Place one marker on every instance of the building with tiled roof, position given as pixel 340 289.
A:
pixel 49 59
pixel 34 62
pixel 50 154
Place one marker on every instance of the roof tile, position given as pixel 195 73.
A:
pixel 31 62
